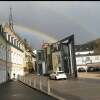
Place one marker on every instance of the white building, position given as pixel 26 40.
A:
pixel 85 57
pixel 12 53
pixel 2 58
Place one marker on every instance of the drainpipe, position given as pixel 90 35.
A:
pixel 6 63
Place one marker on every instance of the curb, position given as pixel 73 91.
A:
pixel 37 89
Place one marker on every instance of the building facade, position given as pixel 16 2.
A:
pixel 2 58
pixel 59 56
pixel 12 53
pixel 30 60
pixel 86 60
pixel 86 57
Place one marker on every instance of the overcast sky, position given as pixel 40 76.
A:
pixel 57 19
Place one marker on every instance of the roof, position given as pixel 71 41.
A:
pixel 45 45
pixel 83 47
pixel 32 53
pixel 90 54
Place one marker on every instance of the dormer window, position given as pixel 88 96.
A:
pixel 12 40
pixel 15 42
pixel 4 34
pixel 9 38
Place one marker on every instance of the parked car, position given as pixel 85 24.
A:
pixel 58 75
pixel 90 69
pixel 97 68
pixel 31 70
pixel 81 69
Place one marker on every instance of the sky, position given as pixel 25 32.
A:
pixel 53 20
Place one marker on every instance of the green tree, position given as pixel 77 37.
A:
pixel 30 64
pixel 97 46
pixel 25 43
pixel 31 47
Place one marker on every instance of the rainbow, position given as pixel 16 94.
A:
pixel 35 32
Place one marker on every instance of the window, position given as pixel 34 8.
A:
pixel 12 40
pixel 58 59
pixel 19 45
pixel 87 58
pixel 4 34
pixel 39 55
pixel 9 38
pixel 15 42
pixel 96 58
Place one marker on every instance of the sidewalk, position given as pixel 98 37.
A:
pixel 16 91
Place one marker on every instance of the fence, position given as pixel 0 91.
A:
pixel 38 84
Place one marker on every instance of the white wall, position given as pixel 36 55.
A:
pixel 83 60
pixel 83 52
pixel 2 76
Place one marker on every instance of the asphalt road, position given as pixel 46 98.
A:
pixel 16 91
pixel 72 89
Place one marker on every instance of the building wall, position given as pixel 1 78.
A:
pixel 82 61
pixel 2 59
pixel 62 56
pixel 15 59
pixel 12 54
pixel 83 52
pixel 56 61
pixel 15 53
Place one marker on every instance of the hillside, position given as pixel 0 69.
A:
pixel 92 45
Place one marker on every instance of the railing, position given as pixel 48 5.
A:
pixel 39 84
pixel 36 83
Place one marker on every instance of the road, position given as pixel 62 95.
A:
pixel 16 91
pixel 73 89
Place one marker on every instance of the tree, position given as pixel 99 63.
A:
pixel 30 48
pixel 30 66
pixel 97 46
pixel 25 43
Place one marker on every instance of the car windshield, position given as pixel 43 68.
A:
pixel 60 72
pixel 81 68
